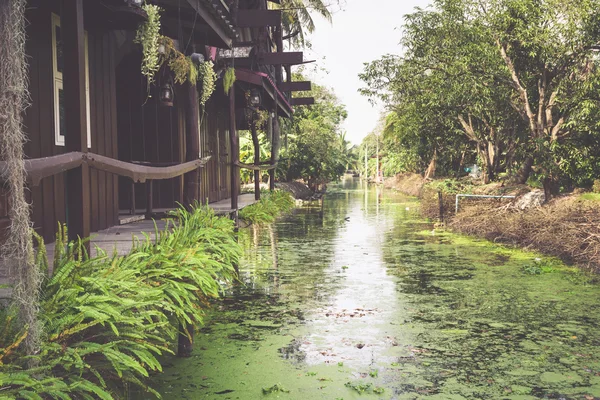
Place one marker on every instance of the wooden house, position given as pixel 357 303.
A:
pixel 103 147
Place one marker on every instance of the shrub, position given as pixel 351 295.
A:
pixel 268 208
pixel 596 187
pixel 107 318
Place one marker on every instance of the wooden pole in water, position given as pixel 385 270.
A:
pixel 256 162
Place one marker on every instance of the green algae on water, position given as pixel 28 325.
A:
pixel 440 316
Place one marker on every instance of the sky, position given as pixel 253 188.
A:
pixel 361 32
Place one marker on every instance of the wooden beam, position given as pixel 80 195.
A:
pixel 295 86
pixel 78 179
pixel 192 144
pixel 258 18
pixel 288 58
pixel 41 168
pixel 211 21
pixel 302 101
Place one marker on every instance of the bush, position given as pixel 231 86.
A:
pixel 596 187
pixel 107 318
pixel 268 208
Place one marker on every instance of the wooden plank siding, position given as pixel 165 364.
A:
pixel 48 199
pixel 148 132
pixel 125 124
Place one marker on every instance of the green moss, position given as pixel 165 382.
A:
pixel 590 196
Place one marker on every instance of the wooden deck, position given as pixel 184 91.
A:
pixel 120 238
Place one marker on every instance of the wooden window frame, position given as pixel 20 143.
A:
pixel 57 86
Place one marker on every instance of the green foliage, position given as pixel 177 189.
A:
pixel 539 267
pixel 148 35
pixel 107 318
pixel 296 17
pixel 208 77
pixel 499 83
pixel 228 79
pixel 277 388
pixel 317 150
pixel 268 208
pixel 360 388
pixel 182 68
pixel 450 186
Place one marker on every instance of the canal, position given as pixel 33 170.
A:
pixel 361 298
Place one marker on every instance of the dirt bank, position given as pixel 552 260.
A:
pixel 298 189
pixel 567 227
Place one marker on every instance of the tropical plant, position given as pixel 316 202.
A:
pixel 108 318
pixel 271 205
pixel 297 19
pixel 317 152
pixel 148 35
pixel 228 79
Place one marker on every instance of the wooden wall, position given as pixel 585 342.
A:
pixel 48 199
pixel 148 132
pixel 214 141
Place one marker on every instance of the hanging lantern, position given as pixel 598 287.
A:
pixel 254 100
pixel 166 95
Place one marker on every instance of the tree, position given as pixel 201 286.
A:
pixel 317 151
pixel 297 19
pixel 510 73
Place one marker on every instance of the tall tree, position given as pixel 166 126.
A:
pixel 297 17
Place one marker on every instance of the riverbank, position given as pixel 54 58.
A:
pixel 567 227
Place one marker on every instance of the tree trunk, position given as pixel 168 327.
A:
pixel 525 171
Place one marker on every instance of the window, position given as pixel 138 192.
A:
pixel 57 67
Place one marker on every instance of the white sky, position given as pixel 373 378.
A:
pixel 362 31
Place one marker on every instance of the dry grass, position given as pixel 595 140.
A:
pixel 565 228
pixel 408 183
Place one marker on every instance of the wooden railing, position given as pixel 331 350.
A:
pixel 40 168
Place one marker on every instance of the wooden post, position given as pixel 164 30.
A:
pixel 276 127
pixel 149 199
pixel 234 141
pixel 256 144
pixel 132 199
pixel 274 149
pixel 78 179
pixel 192 141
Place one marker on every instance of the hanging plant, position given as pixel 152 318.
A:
pixel 228 79
pixel 180 65
pixel 260 119
pixel 208 76
pixel 148 35
pixel 166 49
pixel 193 75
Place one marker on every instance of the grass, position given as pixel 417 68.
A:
pixel 590 196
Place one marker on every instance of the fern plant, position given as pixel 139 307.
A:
pixel 108 318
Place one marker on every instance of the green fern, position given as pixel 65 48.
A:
pixel 107 319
